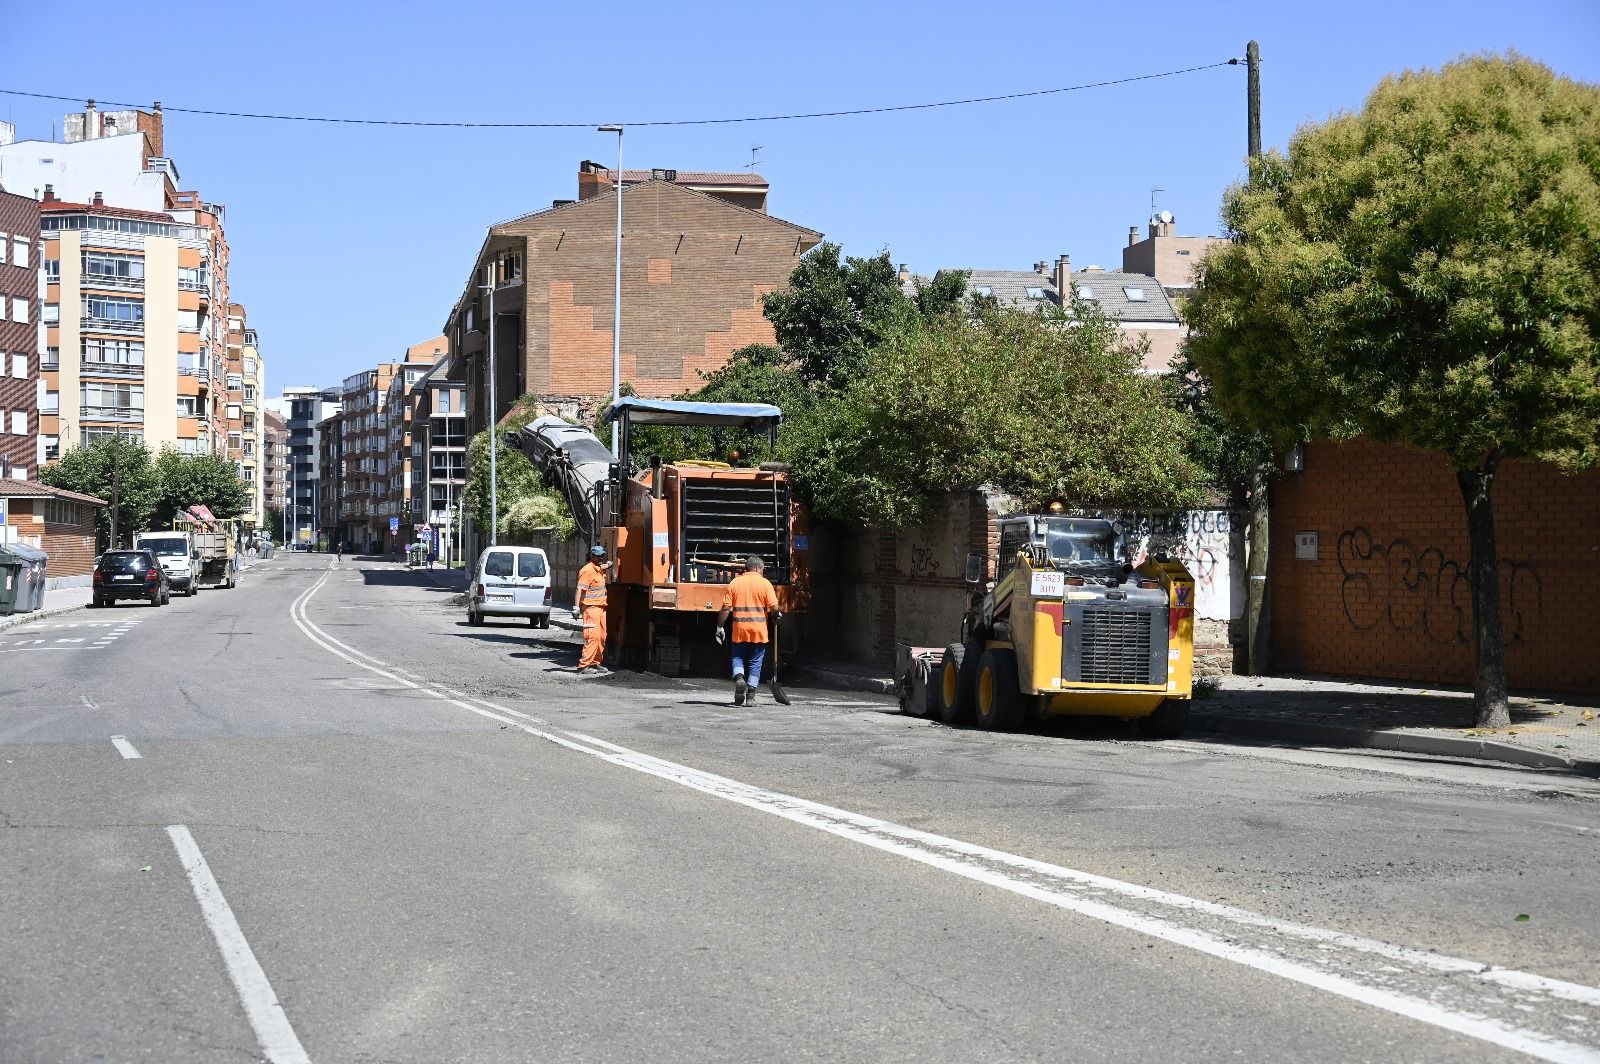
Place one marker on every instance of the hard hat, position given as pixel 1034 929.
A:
pixel 597 552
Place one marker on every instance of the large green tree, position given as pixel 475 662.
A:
pixel 1045 406
pixel 1424 271
pixel 114 470
pixel 185 480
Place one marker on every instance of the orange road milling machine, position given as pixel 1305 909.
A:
pixel 676 531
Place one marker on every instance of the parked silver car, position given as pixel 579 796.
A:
pixel 511 582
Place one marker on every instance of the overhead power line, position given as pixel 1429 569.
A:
pixel 657 122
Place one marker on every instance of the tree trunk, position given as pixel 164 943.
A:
pixel 1492 709
pixel 1258 611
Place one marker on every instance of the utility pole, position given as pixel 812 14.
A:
pixel 494 423
pixel 116 483
pixel 1258 609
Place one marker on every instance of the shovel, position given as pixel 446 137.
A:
pixel 779 695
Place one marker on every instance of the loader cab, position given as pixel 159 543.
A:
pixel 1085 545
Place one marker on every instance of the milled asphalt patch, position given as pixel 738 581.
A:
pixel 1303 732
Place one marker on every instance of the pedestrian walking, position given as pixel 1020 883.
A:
pixel 339 548
pixel 751 600
pixel 591 604
pixel 433 556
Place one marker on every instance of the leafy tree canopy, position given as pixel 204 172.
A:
pixel 149 489
pixel 1421 271
pixel 184 480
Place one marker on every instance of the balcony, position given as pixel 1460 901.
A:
pixel 113 413
pixel 111 325
pixel 114 369
pixel 108 281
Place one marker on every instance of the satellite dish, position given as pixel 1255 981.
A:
pixel 1166 216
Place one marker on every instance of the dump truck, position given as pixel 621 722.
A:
pixel 1067 628
pixel 677 531
pixel 216 544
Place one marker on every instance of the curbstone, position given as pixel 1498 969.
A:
pixel 1400 742
pixel 818 676
pixel 17 619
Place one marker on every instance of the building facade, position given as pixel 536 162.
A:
pixel 1162 254
pixel 439 449
pixel 22 387
pixel 302 410
pixel 406 445
pixel 329 487
pixel 699 252
pixel 59 522
pixel 274 473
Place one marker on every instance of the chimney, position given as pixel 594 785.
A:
pixel 1133 235
pixel 49 193
pixel 1063 277
pixel 99 201
pixel 905 272
pixel 91 121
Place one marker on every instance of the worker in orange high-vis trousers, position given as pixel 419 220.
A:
pixel 750 599
pixel 591 606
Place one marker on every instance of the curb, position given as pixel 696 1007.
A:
pixel 17 619
pixel 1401 742
pixel 832 679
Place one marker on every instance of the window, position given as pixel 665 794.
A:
pixel 1185 251
pixel 413 375
pixel 498 563
pixel 249 393
pixel 1135 295
pixel 21 253
pixel 52 313
pixel 19 472
pixel 235 382
pixel 188 321
pixel 19 310
pixel 984 290
pixel 19 422
pixel 188 405
pixel 1085 292
pixel 51 447
pixel 50 403
pixel 112 400
pixel 190 278
pixel 233 412
pixel 112 309
pixel 19 366
pixel 529 564
pixel 249 367
pixel 249 422
pixel 444 401
pixel 105 265
pixel 51 358
pixel 114 352
pixel 1035 293
pixel 52 271
pixel 233 441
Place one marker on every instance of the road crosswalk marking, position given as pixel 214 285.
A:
pixel 110 632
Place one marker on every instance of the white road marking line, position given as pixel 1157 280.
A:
pixel 279 1044
pixel 1335 962
pixel 89 703
pixel 125 748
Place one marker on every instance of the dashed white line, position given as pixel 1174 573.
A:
pixel 125 748
pixel 279 1044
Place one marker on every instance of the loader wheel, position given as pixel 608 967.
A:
pixel 1167 722
pixel 998 705
pixel 958 678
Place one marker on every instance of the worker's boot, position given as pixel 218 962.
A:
pixel 750 695
pixel 740 690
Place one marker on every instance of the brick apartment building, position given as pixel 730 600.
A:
pixel 328 516
pixel 699 251
pixel 407 442
pixel 274 472
pixel 1162 254
pixel 21 385
pixel 439 455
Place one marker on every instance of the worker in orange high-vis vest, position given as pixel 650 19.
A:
pixel 750 599
pixel 590 603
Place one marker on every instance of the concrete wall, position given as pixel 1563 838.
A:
pixel 1384 592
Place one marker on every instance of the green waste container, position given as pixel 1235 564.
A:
pixel 10 581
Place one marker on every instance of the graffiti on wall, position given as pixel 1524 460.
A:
pixel 1208 542
pixel 1406 589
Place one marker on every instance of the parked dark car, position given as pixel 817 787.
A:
pixel 130 574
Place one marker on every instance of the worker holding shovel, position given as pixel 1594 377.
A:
pixel 751 600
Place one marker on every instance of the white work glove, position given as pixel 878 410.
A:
pixel 722 635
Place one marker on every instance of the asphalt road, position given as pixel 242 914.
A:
pixel 318 817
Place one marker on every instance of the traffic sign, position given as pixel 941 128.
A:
pixel 394 525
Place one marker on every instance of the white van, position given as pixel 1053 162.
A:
pixel 511 582
pixel 177 554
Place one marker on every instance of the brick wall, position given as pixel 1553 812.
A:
pixel 1387 594
pixel 694 270
pixel 71 546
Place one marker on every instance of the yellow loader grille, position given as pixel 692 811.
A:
pixel 1116 648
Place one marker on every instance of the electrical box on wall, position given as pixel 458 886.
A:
pixel 1305 546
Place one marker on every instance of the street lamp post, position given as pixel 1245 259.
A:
pixel 616 310
pixel 494 424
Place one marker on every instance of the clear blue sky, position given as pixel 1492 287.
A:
pixel 349 243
